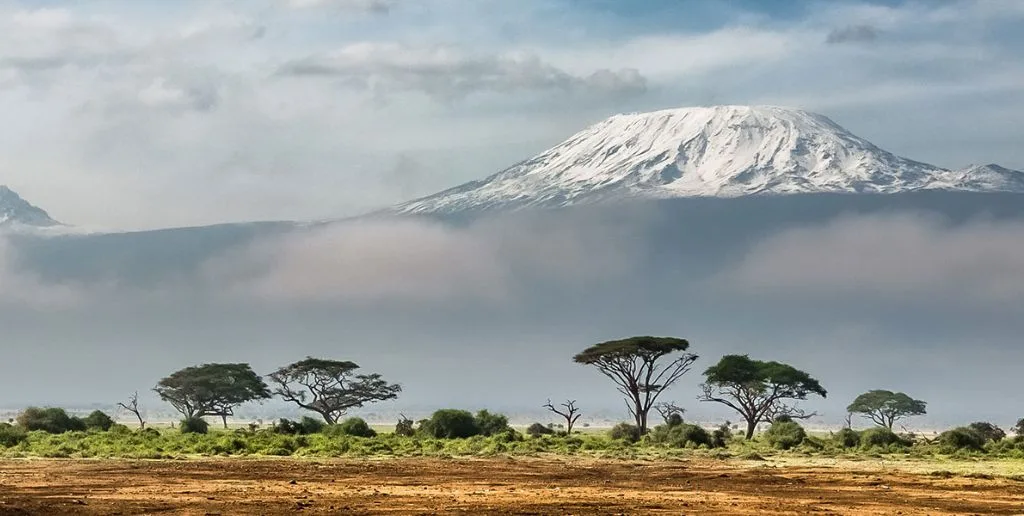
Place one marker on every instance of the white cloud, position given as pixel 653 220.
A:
pixel 19 287
pixel 141 105
pixel 416 261
pixel 368 6
pixel 446 72
pixel 892 256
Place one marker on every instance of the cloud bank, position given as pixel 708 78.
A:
pixel 915 258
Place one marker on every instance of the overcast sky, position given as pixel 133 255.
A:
pixel 146 113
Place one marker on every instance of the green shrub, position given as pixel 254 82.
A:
pixel 989 431
pixel 625 432
pixel 404 427
pixel 356 427
pixel 720 436
pixel 537 430
pixel 311 425
pixel 304 426
pixel 11 435
pixel 785 434
pixel 98 420
pixel 450 424
pixel 194 425
pixel 675 419
pixel 962 438
pixel 680 436
pixel 881 437
pixel 490 424
pixel 148 432
pixel 51 420
pixel 847 438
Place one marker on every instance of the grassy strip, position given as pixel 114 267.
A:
pixel 121 442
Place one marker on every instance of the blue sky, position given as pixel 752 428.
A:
pixel 180 113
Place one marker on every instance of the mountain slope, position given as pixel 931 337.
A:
pixel 16 211
pixel 721 151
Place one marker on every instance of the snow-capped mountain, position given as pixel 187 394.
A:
pixel 721 151
pixel 15 211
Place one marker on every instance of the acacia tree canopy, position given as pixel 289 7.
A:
pixel 212 389
pixel 758 390
pixel 884 408
pixel 330 387
pixel 636 366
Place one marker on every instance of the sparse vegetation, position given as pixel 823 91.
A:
pixel 356 427
pixel 759 391
pixel 962 438
pixel 194 425
pixel 330 387
pixel 988 430
pixel 785 434
pixel 212 390
pixel 450 424
pixel 625 432
pixel 50 420
pixel 884 408
pixel 537 430
pixel 98 420
pixel 636 366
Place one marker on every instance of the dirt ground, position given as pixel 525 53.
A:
pixel 486 486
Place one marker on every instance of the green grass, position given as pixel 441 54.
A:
pixel 1002 459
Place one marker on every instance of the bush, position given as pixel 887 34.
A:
pixel 194 425
pixel 304 426
pixel 490 424
pixel 962 438
pixel 626 432
pixel 356 427
pixel 311 425
pixel 450 424
pixel 881 437
pixel 537 430
pixel 51 420
pixel 989 431
pixel 675 419
pixel 1019 428
pixel 720 437
pixel 679 436
pixel 785 434
pixel 287 427
pixel 404 427
pixel 11 435
pixel 847 438
pixel 98 421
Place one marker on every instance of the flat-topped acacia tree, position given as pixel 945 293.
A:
pixel 758 390
pixel 884 407
pixel 330 387
pixel 212 389
pixel 641 367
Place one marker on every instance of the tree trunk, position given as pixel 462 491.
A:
pixel 568 426
pixel 751 426
pixel 224 418
pixel 142 424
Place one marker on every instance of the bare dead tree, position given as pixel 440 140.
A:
pixel 132 405
pixel 569 411
pixel 667 409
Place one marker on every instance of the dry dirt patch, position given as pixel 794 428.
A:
pixel 485 486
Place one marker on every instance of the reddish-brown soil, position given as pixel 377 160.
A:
pixel 485 486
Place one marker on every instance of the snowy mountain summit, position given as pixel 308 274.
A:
pixel 720 151
pixel 15 211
